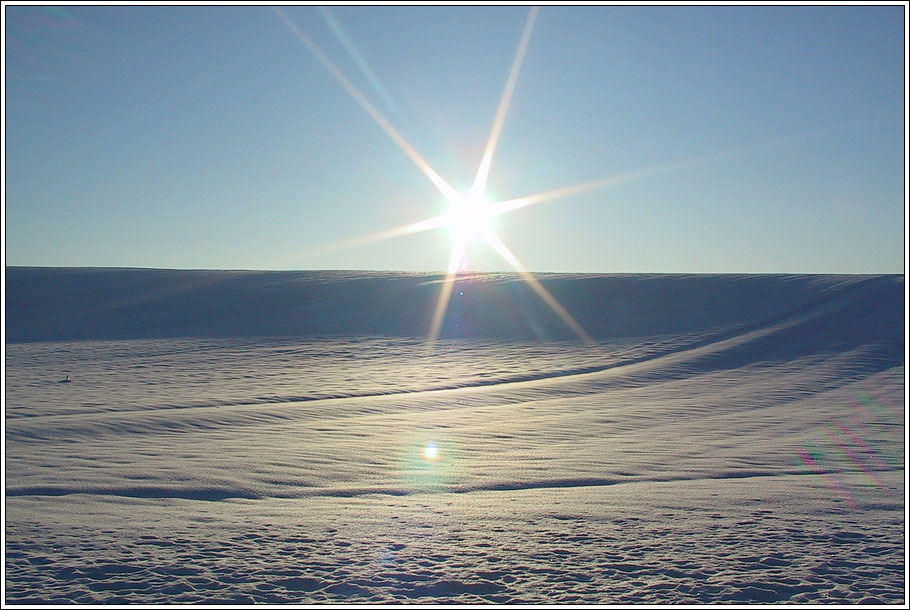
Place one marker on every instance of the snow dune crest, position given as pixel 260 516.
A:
pixel 55 304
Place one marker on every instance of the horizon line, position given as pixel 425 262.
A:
pixel 442 272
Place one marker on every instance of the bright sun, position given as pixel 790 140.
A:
pixel 469 217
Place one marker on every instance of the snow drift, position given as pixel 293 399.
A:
pixel 254 437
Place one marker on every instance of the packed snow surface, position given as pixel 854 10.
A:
pixel 258 437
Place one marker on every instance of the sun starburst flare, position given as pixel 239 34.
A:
pixel 469 215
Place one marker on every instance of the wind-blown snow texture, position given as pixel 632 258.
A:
pixel 262 437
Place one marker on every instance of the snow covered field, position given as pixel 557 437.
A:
pixel 289 437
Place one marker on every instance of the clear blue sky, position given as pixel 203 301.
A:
pixel 210 137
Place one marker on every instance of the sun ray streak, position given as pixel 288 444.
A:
pixel 483 172
pixel 497 244
pixel 377 116
pixel 417 227
pixel 362 64
pixel 508 205
pixel 501 207
pixel 445 295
